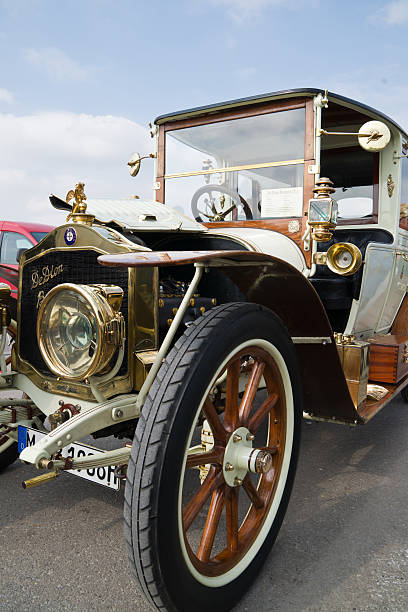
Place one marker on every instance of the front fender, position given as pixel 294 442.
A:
pixel 272 282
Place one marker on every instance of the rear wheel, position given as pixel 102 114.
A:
pixel 213 460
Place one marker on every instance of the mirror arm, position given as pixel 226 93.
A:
pixel 152 155
pixel 326 133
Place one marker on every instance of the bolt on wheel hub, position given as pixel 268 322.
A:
pixel 240 458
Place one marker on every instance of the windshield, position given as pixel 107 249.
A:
pixel 246 168
pixel 38 235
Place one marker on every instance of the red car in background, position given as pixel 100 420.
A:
pixel 13 237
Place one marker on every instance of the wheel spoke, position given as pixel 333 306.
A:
pixel 250 391
pixel 215 455
pixel 203 213
pixel 213 207
pixel 264 409
pixel 252 492
pixel 214 421
pixel 270 449
pixel 213 480
pixel 231 509
pixel 211 525
pixel 231 402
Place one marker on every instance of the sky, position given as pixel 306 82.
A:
pixel 81 79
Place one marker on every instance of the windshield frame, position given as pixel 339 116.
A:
pixel 249 110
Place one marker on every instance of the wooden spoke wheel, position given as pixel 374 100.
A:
pixel 213 460
pixel 227 482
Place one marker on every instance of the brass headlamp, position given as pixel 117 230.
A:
pixel 323 211
pixel 341 258
pixel 79 328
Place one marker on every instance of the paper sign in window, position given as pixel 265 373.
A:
pixel 283 202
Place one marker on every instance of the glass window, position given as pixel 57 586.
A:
pixel 238 169
pixel 38 235
pixel 352 171
pixel 10 245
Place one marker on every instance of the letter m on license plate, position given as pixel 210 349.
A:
pixel 104 476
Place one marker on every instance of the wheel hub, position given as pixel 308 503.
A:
pixel 240 458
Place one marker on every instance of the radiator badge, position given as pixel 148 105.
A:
pixel 70 236
pixel 46 274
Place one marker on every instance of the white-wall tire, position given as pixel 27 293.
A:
pixel 175 572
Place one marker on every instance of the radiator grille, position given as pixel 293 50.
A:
pixel 73 266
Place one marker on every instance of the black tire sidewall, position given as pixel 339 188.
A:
pixel 8 456
pixel 252 322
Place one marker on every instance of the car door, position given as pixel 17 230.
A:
pixel 11 242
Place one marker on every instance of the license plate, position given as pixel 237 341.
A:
pixel 102 475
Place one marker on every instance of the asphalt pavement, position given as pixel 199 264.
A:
pixel 343 545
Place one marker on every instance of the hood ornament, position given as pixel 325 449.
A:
pixel 76 198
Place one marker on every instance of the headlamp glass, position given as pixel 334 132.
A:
pixel 74 330
pixel 79 331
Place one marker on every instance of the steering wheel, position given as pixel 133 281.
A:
pixel 215 212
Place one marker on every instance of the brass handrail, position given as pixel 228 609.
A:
pixel 288 162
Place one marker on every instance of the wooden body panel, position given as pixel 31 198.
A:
pixel 387 358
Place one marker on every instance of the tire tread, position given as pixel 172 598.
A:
pixel 156 417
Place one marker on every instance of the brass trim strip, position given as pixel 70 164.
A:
pixel 311 340
pixel 288 162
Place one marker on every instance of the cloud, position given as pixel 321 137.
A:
pixel 51 152
pixel 6 96
pixel 56 63
pixel 242 10
pixel 393 13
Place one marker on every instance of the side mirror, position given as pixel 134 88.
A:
pixel 19 254
pixel 135 161
pixel 374 136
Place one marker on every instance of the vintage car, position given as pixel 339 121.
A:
pixel 201 335
pixel 15 236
